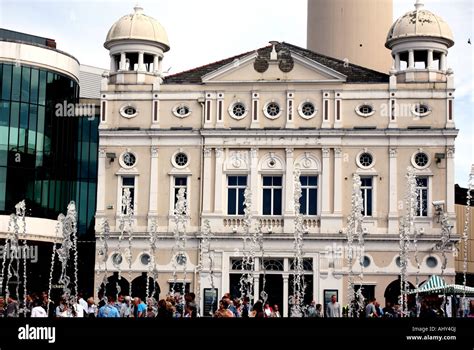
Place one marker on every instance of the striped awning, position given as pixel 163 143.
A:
pixel 437 285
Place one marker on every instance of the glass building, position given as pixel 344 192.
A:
pixel 45 158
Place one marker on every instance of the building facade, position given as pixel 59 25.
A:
pixel 46 158
pixel 249 121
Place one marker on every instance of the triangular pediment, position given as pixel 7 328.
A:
pixel 254 69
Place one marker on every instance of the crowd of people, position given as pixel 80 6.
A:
pixel 177 306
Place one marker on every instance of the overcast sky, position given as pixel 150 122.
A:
pixel 204 31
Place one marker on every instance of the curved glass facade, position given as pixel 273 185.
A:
pixel 44 159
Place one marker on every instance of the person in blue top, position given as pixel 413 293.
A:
pixel 109 310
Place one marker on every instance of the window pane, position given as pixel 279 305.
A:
pixel 276 180
pixel 232 180
pixel 313 200
pixel 267 181
pixel 277 202
pixel 128 181
pixel 267 202
pixel 42 88
pixel 16 83
pixel 312 180
pixel 231 201
pixel 6 81
pixel 241 201
pixel 369 202
pixel 242 180
pixel 366 181
pixel 34 86
pixel 422 181
pixel 14 123
pixel 303 201
pixel 180 181
pixel 25 84
pixel 304 180
pixel 3 186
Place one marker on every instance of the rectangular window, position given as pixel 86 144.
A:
pixel 290 110
pixel 103 111
pixel 155 111
pixel 422 196
pixel 255 110
pixel 367 195
pixel 180 182
pixel 309 195
pixel 338 110
pixel 6 81
pixel 450 109
pixel 235 194
pixel 128 182
pixel 208 111
pixel 219 110
pixel 326 110
pixel 16 83
pixel 272 195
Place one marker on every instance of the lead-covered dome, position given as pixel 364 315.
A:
pixel 137 26
pixel 420 23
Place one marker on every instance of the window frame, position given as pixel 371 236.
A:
pixel 237 188
pixel 364 190
pixel 307 188
pixel 272 189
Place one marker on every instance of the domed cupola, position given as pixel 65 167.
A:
pixel 137 44
pixel 419 41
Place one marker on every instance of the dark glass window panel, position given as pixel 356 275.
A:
pixel 42 88
pixel 14 124
pixel 277 202
pixel 303 202
pixel 6 81
pixel 4 121
pixel 180 181
pixel 128 181
pixel 25 84
pixel 267 202
pixel 242 180
pixel 34 86
pixel 369 203
pixel 422 181
pixel 312 180
pixel 232 180
pixel 276 180
pixel 241 202
pixel 231 203
pixel 313 200
pixel 267 181
pixel 304 180
pixel 16 83
pixel 3 187
pixel 366 181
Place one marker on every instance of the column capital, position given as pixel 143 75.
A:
pixel 154 151
pixel 450 152
pixel 102 152
pixel 393 152
pixel 219 152
pixel 325 152
pixel 289 152
pixel 207 152
pixel 254 152
pixel 337 152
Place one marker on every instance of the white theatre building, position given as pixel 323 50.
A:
pixel 249 120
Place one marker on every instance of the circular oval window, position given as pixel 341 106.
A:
pixel 365 261
pixel 181 160
pixel 238 110
pixel 431 262
pixel 420 160
pixel 181 111
pixel 117 258
pixel 365 110
pixel 145 259
pixel 421 110
pixel 365 160
pixel 128 160
pixel 307 110
pixel 272 110
pixel 181 259
pixel 128 111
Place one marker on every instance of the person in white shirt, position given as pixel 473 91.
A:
pixel 79 310
pixel 82 302
pixel 91 308
pixel 38 310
